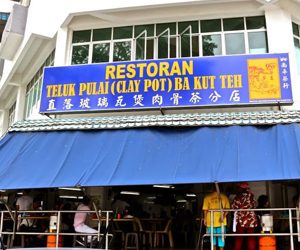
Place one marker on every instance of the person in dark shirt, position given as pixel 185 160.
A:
pixel 262 203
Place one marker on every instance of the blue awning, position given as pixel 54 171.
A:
pixel 149 156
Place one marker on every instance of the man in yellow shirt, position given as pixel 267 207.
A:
pixel 219 202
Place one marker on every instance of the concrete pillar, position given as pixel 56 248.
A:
pixel 3 121
pixel 25 2
pixel 61 47
pixel 280 40
pixel 20 103
pixel 279 27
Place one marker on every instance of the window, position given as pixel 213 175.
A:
pixel 195 38
pixel 11 114
pixel 3 21
pixel 211 37
pixel 296 33
pixel 4 16
pixel 101 49
pixel 144 41
pixel 33 89
pixel 257 35
pixel 188 33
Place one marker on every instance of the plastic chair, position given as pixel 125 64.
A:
pixel 159 235
pixel 118 234
pixel 132 239
pixel 145 235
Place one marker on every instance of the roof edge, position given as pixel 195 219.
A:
pixel 171 120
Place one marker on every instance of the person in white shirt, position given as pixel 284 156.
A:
pixel 80 219
pixel 23 203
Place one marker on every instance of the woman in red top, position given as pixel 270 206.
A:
pixel 246 221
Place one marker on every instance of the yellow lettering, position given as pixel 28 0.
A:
pixel 120 86
pixel 131 71
pixel 212 82
pixel 102 88
pixel 223 79
pixel 58 90
pixel 187 67
pixel 155 84
pixel 231 81
pixel 182 83
pixel 237 79
pixel 141 67
pixel 163 84
pixel 90 87
pixel 72 90
pixel 110 72
pixel 175 69
pixel 54 90
pixel 82 88
pixel 178 84
pixel 49 87
pixel 137 85
pixel 186 85
pixel 197 83
pixel 204 82
pixel 121 71
pixel 147 85
pixel 163 69
pixel 152 69
pixel 130 87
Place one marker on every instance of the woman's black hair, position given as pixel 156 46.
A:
pixel 262 200
pixel 86 200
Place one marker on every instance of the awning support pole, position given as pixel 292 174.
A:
pixel 298 218
pixel 221 209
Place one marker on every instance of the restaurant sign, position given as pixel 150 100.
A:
pixel 170 83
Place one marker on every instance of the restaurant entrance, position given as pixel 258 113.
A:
pixel 154 205
pixel 168 215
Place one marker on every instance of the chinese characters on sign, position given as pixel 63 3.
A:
pixel 190 82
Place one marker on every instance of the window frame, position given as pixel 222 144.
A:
pixel 178 39
pixel 11 114
pixel 297 37
pixel 34 87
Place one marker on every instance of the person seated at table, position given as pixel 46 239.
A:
pixel 34 223
pixel 120 206
pixel 81 217
pixel 67 220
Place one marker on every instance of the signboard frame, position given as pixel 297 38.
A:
pixel 202 82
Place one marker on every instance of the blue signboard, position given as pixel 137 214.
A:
pixel 170 83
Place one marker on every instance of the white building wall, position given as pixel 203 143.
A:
pixel 6 5
pixel 280 39
pixel 50 25
pixel 41 12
